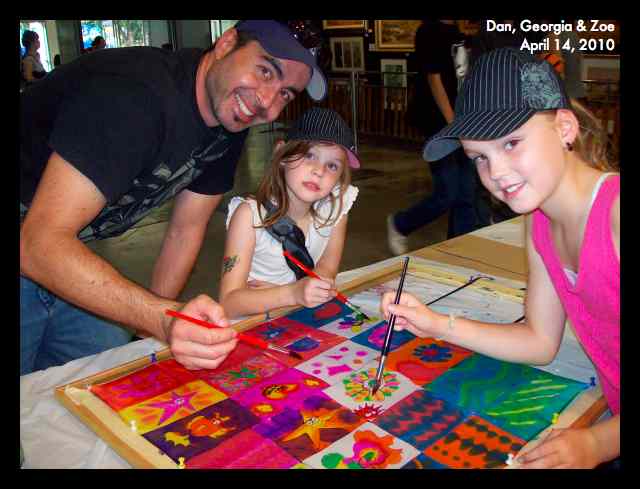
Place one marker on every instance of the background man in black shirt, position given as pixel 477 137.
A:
pixel 109 137
pixel 442 61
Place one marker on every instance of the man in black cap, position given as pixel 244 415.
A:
pixel 111 136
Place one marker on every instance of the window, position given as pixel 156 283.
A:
pixel 38 27
pixel 116 33
pixel 219 26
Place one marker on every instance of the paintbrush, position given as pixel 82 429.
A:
pixel 245 338
pixel 342 298
pixel 387 339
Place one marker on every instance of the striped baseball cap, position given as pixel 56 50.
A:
pixel 504 88
pixel 279 41
pixel 320 124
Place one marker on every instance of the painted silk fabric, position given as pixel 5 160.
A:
pixel 439 406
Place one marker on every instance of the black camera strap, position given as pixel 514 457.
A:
pixel 291 237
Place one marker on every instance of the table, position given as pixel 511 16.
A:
pixel 52 437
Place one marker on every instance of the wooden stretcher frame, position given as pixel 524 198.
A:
pixel 140 453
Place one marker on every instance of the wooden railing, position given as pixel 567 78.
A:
pixel 381 111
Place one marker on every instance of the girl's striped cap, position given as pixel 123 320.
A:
pixel 504 88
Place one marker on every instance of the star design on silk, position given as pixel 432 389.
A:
pixel 313 423
pixel 176 402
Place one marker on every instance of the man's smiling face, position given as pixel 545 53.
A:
pixel 247 86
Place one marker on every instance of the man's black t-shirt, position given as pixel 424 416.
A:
pixel 127 119
pixel 437 46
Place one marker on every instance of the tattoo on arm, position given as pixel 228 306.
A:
pixel 228 263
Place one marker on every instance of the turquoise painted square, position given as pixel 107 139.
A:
pixel 477 382
pixel 518 398
pixel 529 408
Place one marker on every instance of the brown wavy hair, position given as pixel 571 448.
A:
pixel 592 142
pixel 274 187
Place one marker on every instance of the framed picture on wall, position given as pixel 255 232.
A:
pixel 344 24
pixel 394 79
pixel 396 35
pixel 347 54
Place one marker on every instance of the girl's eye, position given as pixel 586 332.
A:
pixel 478 159
pixel 308 155
pixel 509 145
pixel 333 167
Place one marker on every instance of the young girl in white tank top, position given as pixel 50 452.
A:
pixel 308 182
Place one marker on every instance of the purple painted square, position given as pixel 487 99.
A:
pixel 320 315
pixel 202 430
pixel 374 337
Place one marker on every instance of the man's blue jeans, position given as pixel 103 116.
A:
pixel 54 332
pixel 454 190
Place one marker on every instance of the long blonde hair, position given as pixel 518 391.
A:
pixel 274 188
pixel 592 140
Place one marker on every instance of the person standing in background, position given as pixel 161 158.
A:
pixel 442 61
pixel 31 66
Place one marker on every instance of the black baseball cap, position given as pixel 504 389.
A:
pixel 504 88
pixel 320 124
pixel 278 40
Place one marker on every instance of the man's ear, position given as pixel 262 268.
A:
pixel 567 125
pixel 225 43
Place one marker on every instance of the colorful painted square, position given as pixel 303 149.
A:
pixel 135 387
pixel 424 359
pixel 476 382
pixel 242 375
pixel 320 315
pixel 172 405
pixel 245 450
pixel 374 337
pixel 277 331
pixel 420 419
pixel 367 447
pixel 529 407
pixel 202 430
pixel 423 462
pixel 287 389
pixel 474 444
pixel 352 324
pixel 320 422
pixel 354 391
pixel 336 363
pixel 177 371
pixel 307 342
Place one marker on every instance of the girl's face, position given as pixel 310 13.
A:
pixel 522 169
pixel 313 176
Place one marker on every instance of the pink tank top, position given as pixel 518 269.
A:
pixel 593 304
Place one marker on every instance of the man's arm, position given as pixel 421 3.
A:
pixel 182 242
pixel 52 255
pixel 440 96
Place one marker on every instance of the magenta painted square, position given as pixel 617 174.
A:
pixel 246 450
pixel 287 389
pixel 243 375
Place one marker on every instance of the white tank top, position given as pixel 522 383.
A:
pixel 268 263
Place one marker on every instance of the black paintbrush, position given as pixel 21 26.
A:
pixel 387 339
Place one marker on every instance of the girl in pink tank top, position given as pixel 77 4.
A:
pixel 544 155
